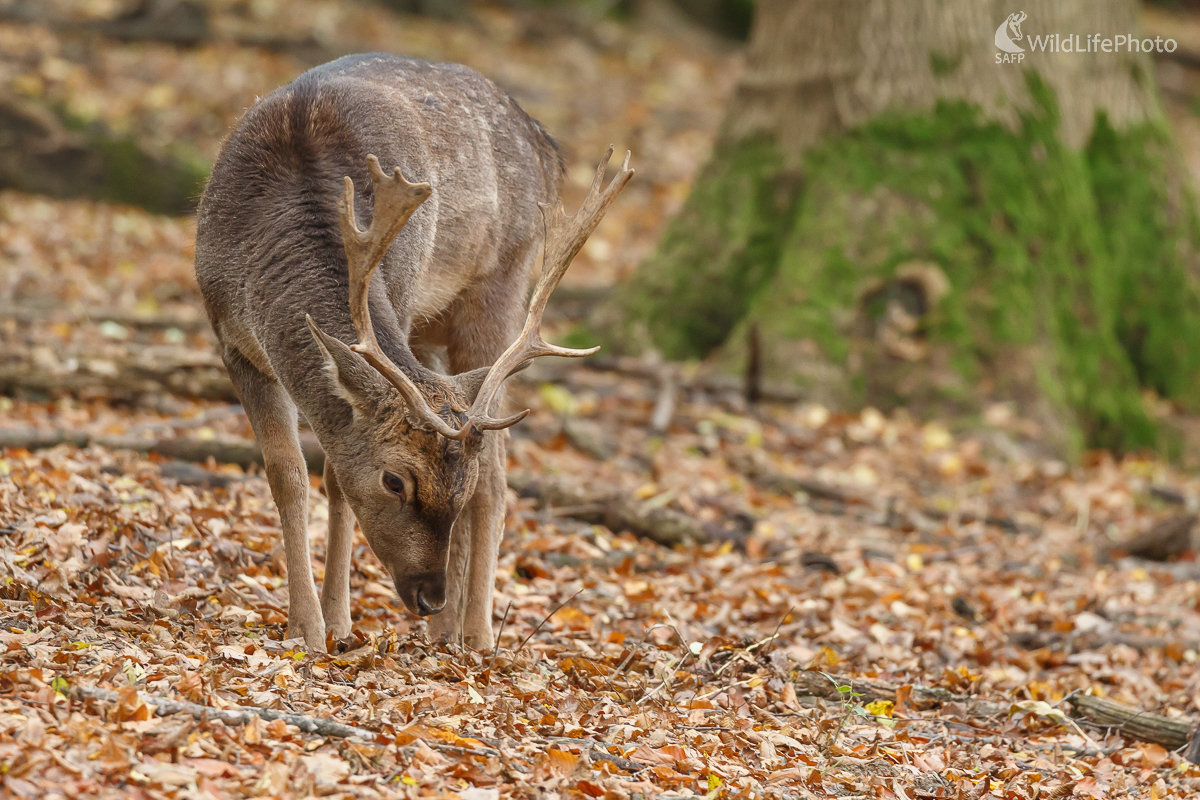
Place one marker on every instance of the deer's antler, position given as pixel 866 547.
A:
pixel 564 238
pixel 395 201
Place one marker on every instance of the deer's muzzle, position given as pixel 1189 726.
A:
pixel 425 594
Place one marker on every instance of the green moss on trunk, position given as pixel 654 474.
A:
pixel 714 257
pixel 1068 273
pixel 44 149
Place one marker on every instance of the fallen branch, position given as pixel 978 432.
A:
pixel 597 752
pixel 1136 724
pixel 614 510
pixel 1168 494
pixel 326 727
pixel 818 684
pixel 1076 642
pixel 53 315
pixel 185 24
pixel 756 468
pixel 233 716
pixel 966 518
pixel 47 150
pixel 115 370
pixel 241 452
pixel 765 477
pixel 129 369
pixel 651 370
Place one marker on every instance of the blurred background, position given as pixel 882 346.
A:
pixel 881 214
pixel 129 101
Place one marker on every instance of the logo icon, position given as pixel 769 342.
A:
pixel 1003 40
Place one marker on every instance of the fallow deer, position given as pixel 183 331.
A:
pixel 316 316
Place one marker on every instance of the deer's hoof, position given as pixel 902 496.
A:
pixel 480 643
pixel 337 623
pixel 313 634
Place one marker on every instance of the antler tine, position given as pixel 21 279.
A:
pixel 395 201
pixel 565 236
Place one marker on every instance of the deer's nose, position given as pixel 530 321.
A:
pixel 424 608
pixel 431 595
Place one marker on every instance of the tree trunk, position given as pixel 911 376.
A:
pixel 906 219
pixel 44 150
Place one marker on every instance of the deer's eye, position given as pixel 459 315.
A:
pixel 395 484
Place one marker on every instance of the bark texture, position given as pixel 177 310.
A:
pixel 903 220
pixel 821 66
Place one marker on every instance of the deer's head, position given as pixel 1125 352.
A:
pixel 407 458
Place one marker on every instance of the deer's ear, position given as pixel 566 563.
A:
pixel 468 383
pixel 354 380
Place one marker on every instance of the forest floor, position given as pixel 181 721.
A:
pixel 883 607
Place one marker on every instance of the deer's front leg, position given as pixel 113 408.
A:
pixel 288 478
pixel 273 417
pixel 335 590
pixel 486 511
pixel 447 626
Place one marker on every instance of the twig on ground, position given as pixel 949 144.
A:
pixel 775 633
pixel 545 619
pixel 503 622
pixel 596 750
pixel 233 716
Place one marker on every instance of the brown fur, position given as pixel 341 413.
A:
pixel 269 252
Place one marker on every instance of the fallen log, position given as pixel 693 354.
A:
pixel 115 371
pixel 614 510
pixel 824 686
pixel 1141 725
pixel 762 475
pixel 1167 539
pixel 32 314
pixel 1130 722
pixel 243 453
pixel 1078 642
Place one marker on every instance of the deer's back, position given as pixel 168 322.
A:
pixel 268 246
